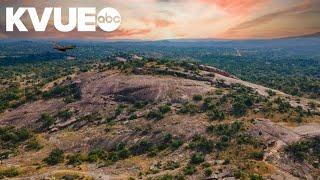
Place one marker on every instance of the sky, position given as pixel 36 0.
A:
pixel 183 19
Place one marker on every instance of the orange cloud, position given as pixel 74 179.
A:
pixel 158 23
pixel 240 29
pixel 235 6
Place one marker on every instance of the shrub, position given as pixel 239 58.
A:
pixel 65 114
pixel 9 173
pixel 256 177
pixel 96 155
pixel 208 172
pixel 55 157
pixel 257 156
pixel 75 159
pixel 197 158
pixel 216 115
pixel 239 109
pixel 33 144
pixel 171 165
pixel 141 148
pixel 197 97
pixel 176 143
pixel 46 120
pixel 11 137
pixel 189 170
pixel 189 108
pixel 133 116
pixel 140 104
pixel 201 144
pixel 165 109
pixel 155 114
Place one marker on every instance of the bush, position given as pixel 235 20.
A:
pixel 172 165
pixel 256 177
pixel 155 114
pixel 65 114
pixel 133 116
pixel 9 173
pixel 176 143
pixel 216 115
pixel 201 144
pixel 189 108
pixel 197 97
pixel 208 172
pixel 257 156
pixel 55 157
pixel 197 158
pixel 46 120
pixel 140 104
pixel 142 147
pixel 11 137
pixel 33 144
pixel 165 109
pixel 96 155
pixel 239 109
pixel 189 170
pixel 75 159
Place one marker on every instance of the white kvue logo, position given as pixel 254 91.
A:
pixel 84 19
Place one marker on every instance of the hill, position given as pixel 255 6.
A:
pixel 136 117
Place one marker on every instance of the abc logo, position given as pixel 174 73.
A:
pixel 109 19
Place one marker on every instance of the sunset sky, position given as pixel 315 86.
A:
pixel 175 19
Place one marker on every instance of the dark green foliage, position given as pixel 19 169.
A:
pixel 71 92
pixel 140 104
pixel 176 143
pixel 155 115
pixel 305 150
pixel 133 116
pixel 9 173
pixel 11 137
pixel 96 155
pixel 197 97
pixel 55 157
pixel 283 106
pixel 92 117
pixel 239 108
pixel 170 177
pixel 189 170
pixel 65 114
pixel 119 109
pixel 197 158
pixel 216 115
pixel 172 165
pixel 226 129
pixel 165 109
pixel 142 147
pixel 71 177
pixel 208 172
pixel 75 159
pixel 271 93
pixel 33 145
pixel 47 120
pixel 257 156
pixel 201 144
pixel 256 177
pixel 189 108
pixel 248 139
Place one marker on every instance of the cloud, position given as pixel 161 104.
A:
pixel 53 33
pixel 235 6
pixel 301 8
pixel 158 23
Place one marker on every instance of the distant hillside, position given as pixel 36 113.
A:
pixel 313 35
